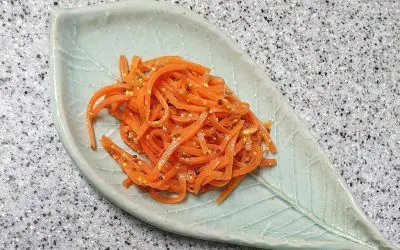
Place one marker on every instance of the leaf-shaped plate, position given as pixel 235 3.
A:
pixel 301 203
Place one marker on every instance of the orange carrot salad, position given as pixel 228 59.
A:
pixel 195 133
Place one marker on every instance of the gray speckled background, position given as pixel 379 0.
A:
pixel 336 62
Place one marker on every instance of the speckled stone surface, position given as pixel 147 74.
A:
pixel 336 62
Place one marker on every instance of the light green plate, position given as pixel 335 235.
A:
pixel 301 203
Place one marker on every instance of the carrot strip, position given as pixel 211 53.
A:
pixel 238 146
pixel 264 133
pixel 89 114
pixel 206 188
pixel 140 101
pixel 229 136
pixel 200 101
pixel 198 160
pixel 123 67
pixel 165 106
pixel 129 138
pixel 267 162
pixel 183 118
pixel 204 173
pixel 160 61
pixel 229 188
pixel 219 183
pixel 218 126
pixel 208 93
pixel 193 108
pixel 108 101
pixel 203 143
pixel 189 150
pixel 122 156
pixel 251 166
pixel 170 200
pixel 130 78
pixel 127 182
pixel 229 153
pixel 148 151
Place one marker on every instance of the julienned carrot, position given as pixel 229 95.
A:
pixel 229 188
pixel 89 112
pixel 203 142
pixel 267 162
pixel 196 134
pixel 123 67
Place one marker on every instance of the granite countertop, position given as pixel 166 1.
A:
pixel 336 62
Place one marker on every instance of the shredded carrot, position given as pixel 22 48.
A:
pixel 123 67
pixel 203 143
pixel 196 134
pixel 229 188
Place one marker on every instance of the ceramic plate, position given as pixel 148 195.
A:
pixel 300 203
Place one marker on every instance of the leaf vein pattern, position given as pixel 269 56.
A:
pixel 311 216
